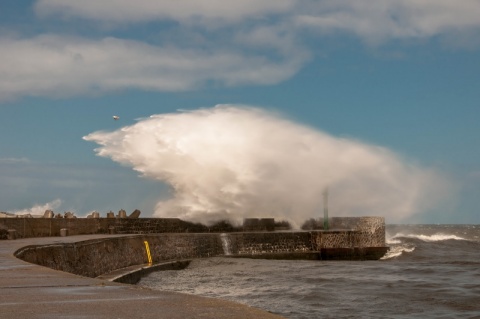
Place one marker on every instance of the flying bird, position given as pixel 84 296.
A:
pixel 115 117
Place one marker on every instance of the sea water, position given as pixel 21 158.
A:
pixel 431 271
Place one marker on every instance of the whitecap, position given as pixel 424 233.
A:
pixel 428 238
pixel 396 251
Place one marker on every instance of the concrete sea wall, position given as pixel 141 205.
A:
pixel 372 228
pixel 92 258
pixel 45 227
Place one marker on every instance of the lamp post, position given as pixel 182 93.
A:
pixel 325 209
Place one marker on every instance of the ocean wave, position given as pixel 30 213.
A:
pixel 400 245
pixel 398 250
pixel 426 238
pixel 391 241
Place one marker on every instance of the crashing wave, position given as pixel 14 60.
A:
pixel 427 238
pixel 396 251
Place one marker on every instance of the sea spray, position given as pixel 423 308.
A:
pixel 233 162
pixel 39 209
pixel 226 244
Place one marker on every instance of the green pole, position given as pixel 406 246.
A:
pixel 325 209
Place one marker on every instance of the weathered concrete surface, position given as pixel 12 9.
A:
pixel 95 257
pixel 32 291
pixel 46 227
pixel 100 256
pixel 133 274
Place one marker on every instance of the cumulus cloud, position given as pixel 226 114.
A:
pixel 234 162
pixel 50 65
pixel 251 42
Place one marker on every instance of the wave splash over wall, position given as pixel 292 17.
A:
pixel 234 162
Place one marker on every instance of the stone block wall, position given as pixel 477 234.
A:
pixel 335 239
pixel 93 258
pixel 166 247
pixel 45 227
pixel 269 242
pixel 87 258
pixel 370 231
pixel 155 226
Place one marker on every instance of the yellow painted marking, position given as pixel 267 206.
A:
pixel 147 248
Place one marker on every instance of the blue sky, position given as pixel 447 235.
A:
pixel 404 75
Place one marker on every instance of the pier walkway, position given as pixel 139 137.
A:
pixel 32 291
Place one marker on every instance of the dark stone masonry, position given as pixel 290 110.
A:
pixel 170 240
pixel 45 227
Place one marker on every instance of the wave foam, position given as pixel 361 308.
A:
pixel 396 251
pixel 427 238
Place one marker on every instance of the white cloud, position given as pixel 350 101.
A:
pixel 371 20
pixel 187 11
pixel 224 43
pixel 379 20
pixel 50 65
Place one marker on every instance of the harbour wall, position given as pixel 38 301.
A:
pixel 46 227
pixel 93 258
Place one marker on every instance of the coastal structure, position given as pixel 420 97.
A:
pixel 172 240
pixel 30 291
pixel 122 248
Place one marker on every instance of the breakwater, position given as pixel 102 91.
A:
pixel 372 227
pixel 46 227
pixel 29 291
pixel 364 239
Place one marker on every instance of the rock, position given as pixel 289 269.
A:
pixel 122 213
pixel 48 214
pixel 94 214
pixel 135 214
pixel 69 215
